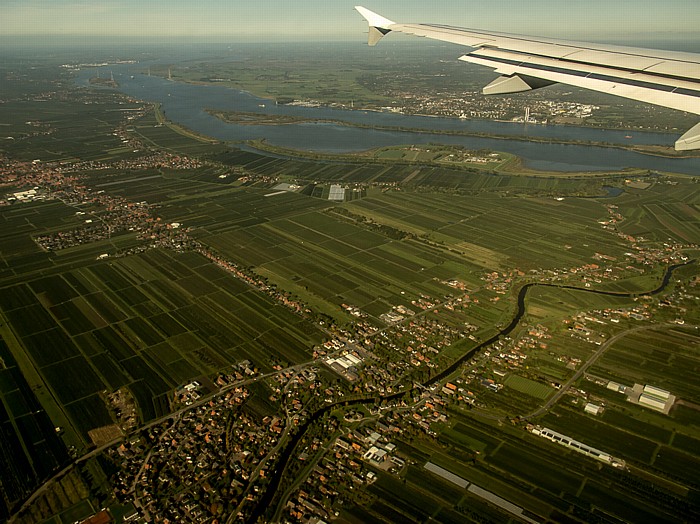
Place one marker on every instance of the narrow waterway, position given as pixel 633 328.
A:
pixel 288 452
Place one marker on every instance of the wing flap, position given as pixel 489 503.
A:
pixel 675 69
pixel 645 88
pixel 505 85
pixel 665 78
pixel 602 58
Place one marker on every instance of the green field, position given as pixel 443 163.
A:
pixel 124 324
pixel 657 357
pixel 529 387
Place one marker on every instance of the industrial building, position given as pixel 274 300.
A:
pixel 657 392
pixel 375 455
pixel 614 386
pixel 650 401
pixel 578 446
pixel 655 398
pixel 652 397
pixel 346 364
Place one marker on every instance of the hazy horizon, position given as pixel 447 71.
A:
pixel 275 20
pixel 43 43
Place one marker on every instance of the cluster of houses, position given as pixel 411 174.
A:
pixel 352 463
pixel 193 468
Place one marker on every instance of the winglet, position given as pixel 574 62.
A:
pixel 378 25
pixel 690 140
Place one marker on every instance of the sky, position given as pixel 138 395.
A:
pixel 287 20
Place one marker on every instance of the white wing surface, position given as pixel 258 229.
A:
pixel 665 78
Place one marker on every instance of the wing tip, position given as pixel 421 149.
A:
pixel 374 19
pixel 690 140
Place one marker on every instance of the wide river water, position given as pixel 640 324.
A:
pixel 186 104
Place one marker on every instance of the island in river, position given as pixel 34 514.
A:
pixel 263 119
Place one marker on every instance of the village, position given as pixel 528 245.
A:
pixel 475 105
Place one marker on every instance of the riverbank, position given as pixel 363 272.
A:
pixel 513 166
pixel 251 118
pixel 363 101
pixel 186 105
pixel 163 120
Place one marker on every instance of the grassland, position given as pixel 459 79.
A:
pixel 67 130
pixel 360 266
pixel 33 450
pixel 453 238
pixel 269 75
pixel 528 387
pixel 546 481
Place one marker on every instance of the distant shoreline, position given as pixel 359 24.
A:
pixel 249 118
pixel 513 167
pixel 313 103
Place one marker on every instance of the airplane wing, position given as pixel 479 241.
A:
pixel 665 78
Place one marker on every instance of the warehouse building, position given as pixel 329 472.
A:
pixel 651 397
pixel 656 398
pixel 614 386
pixel 656 392
pixel 651 401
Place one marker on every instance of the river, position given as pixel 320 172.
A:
pixel 186 104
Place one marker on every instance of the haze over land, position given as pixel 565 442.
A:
pixel 278 20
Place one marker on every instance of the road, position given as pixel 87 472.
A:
pixel 543 409
pixel 171 416
pixel 58 475
pixel 594 358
